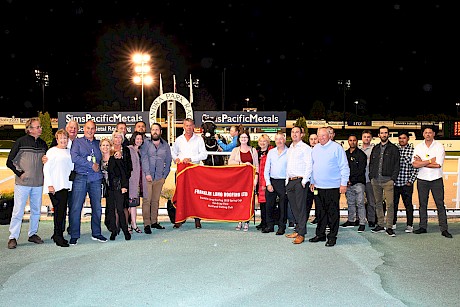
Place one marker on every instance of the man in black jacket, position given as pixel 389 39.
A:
pixel 383 172
pixel 357 161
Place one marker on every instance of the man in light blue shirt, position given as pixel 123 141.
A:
pixel 329 179
pixel 275 178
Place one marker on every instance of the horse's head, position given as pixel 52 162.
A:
pixel 208 128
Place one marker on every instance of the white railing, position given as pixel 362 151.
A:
pixel 447 188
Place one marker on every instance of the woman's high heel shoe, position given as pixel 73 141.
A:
pixel 137 230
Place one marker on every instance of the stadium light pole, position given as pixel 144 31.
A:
pixel 356 103
pixel 458 105
pixel 345 85
pixel 142 68
pixel 43 80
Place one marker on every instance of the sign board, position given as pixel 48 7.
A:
pixel 247 119
pixel 106 122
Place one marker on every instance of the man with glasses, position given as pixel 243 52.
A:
pixel 25 160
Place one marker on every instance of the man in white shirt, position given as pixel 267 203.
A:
pixel 189 148
pixel 298 172
pixel 429 159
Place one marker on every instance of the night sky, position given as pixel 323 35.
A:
pixel 281 55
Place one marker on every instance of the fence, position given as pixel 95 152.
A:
pixel 451 186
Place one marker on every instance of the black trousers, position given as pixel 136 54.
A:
pixel 297 196
pixel 59 201
pixel 279 189
pixel 405 192
pixel 115 204
pixel 328 203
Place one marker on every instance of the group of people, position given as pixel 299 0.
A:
pixel 383 174
pixel 373 179
pixel 124 171
pixel 121 170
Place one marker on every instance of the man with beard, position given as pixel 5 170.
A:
pixel 156 164
pixel 383 172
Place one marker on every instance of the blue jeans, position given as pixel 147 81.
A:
pixel 80 187
pixel 21 194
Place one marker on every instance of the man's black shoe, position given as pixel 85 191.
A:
pixel 331 242
pixel 317 239
pixel 147 230
pixel 378 228
pixel 157 226
pixel 261 226
pixel 420 230
pixel 268 230
pixel 446 234
pixel 280 232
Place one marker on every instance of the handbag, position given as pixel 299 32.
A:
pixel 134 202
pixel 72 175
pixel 171 211
pixel 105 188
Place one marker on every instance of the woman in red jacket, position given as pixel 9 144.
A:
pixel 262 150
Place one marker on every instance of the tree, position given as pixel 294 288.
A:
pixel 318 111
pixel 302 122
pixel 47 131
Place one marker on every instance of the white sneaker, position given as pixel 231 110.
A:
pixel 409 229
pixel 238 227
pixel 394 227
pixel 246 227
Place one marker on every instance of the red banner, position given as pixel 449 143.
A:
pixel 218 193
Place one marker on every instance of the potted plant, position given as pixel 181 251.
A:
pixel 6 206
pixel 168 193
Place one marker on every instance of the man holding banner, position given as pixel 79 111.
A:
pixel 189 148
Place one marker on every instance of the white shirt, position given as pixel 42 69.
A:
pixel 57 169
pixel 299 163
pixel 436 150
pixel 193 149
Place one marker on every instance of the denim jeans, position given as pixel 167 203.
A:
pixel 355 201
pixel 21 194
pixel 80 188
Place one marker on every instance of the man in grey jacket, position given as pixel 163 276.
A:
pixel 25 160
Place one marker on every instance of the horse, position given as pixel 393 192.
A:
pixel 210 142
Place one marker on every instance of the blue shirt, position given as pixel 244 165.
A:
pixel 228 147
pixel 275 165
pixel 156 161
pixel 82 151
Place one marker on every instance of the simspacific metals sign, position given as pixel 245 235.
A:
pixel 106 122
pixel 228 118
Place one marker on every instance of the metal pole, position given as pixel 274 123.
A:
pixel 344 102
pixel 142 85
pixel 43 94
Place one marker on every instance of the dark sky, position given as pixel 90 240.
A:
pixel 282 55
